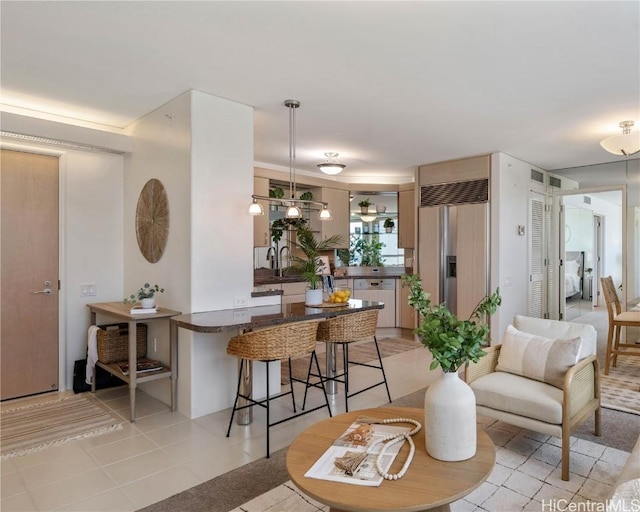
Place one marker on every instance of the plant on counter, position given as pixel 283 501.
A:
pixel 310 266
pixel 370 252
pixel 451 341
pixel 147 291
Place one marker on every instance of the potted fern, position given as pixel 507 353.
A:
pixel 364 205
pixel 450 407
pixel 310 265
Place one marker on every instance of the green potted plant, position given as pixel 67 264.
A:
pixel 364 205
pixel 453 343
pixel 146 295
pixel 310 265
pixel 370 252
pixel 388 225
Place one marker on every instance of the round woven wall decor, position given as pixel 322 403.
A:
pixel 152 220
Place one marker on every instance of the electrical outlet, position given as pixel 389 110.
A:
pixel 240 302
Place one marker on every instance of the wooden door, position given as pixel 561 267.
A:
pixel 29 257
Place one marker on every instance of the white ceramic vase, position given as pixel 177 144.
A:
pixel 148 303
pixel 313 297
pixel 450 419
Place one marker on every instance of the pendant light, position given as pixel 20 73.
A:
pixel 623 145
pixel 293 210
pixel 331 166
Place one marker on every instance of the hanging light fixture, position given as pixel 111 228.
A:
pixel 623 145
pixel 293 210
pixel 331 166
pixel 256 208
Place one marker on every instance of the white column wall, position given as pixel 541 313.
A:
pixel 221 238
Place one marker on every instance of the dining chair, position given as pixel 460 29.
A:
pixel 275 344
pixel 617 320
pixel 344 330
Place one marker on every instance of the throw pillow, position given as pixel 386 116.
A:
pixel 537 357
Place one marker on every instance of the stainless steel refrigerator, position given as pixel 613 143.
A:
pixel 453 254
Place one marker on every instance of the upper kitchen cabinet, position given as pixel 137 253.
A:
pixel 261 231
pixel 339 205
pixel 406 219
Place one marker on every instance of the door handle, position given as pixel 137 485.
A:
pixel 46 291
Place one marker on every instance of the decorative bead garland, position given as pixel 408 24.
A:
pixel 388 441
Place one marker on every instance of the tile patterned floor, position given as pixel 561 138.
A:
pixel 164 453
pixel 526 477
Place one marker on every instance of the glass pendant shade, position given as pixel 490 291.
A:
pixel 293 212
pixel 623 145
pixel 256 208
pixel 325 214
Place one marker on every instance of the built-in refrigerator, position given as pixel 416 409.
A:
pixel 453 257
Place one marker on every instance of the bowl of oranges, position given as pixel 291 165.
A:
pixel 340 295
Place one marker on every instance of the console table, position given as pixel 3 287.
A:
pixel 121 312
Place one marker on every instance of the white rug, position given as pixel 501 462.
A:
pixel 526 477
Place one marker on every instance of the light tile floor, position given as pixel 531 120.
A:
pixel 526 477
pixel 164 453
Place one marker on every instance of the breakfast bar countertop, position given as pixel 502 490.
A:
pixel 265 316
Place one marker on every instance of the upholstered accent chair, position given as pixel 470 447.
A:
pixel 544 377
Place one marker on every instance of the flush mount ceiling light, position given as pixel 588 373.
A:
pixel 623 145
pixel 331 166
pixel 293 210
pixel 368 218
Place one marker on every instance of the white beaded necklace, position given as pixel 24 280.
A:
pixel 350 464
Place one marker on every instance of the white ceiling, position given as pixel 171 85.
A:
pixel 387 85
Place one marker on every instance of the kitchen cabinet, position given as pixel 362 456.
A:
pixel 405 314
pixel 261 231
pixel 406 219
pixel 339 205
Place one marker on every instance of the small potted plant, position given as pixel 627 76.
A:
pixel 310 265
pixel 364 206
pixel 146 296
pixel 388 225
pixel 453 343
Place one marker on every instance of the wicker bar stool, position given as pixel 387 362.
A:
pixel 343 330
pixel 275 344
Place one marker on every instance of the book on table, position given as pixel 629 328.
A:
pixel 146 365
pixel 365 473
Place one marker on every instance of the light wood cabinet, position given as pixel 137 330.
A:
pixel 405 314
pixel 339 205
pixel 406 219
pixel 261 232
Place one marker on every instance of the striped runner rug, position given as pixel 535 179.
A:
pixel 35 427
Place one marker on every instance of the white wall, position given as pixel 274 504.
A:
pixel 510 186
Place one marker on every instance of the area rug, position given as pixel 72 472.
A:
pixel 35 427
pixel 267 478
pixel 620 390
pixel 363 352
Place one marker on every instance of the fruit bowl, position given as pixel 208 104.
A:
pixel 340 295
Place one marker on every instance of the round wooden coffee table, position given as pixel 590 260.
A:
pixel 429 484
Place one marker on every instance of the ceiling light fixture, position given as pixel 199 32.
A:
pixel 293 210
pixel 368 218
pixel 623 145
pixel 331 166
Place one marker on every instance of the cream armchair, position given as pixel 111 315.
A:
pixel 535 405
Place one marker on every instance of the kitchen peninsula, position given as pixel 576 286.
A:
pixel 244 319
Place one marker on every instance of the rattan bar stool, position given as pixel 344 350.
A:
pixel 275 344
pixel 344 330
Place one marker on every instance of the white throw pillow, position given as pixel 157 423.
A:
pixel 537 357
